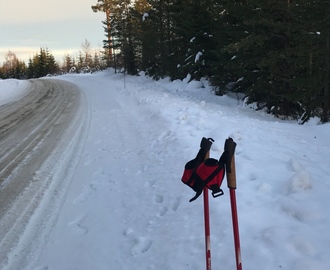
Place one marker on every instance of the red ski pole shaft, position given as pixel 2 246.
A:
pixel 230 146
pixel 207 225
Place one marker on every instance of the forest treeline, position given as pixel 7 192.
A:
pixel 43 63
pixel 274 52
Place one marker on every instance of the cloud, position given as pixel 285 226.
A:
pixel 26 53
pixel 66 35
pixel 42 11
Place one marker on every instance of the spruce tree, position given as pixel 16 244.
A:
pixel 122 35
pixel 230 64
pixel 198 29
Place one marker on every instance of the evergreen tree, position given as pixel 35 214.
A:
pixel 198 28
pixel 272 45
pixel 165 34
pixel 315 19
pixel 122 34
pixel 106 6
pixel 80 61
pixel 270 50
pixel 68 63
pixel 97 65
pixel 276 52
pixel 51 65
pixel 31 70
pixel 42 64
pixel 229 65
pixel 149 40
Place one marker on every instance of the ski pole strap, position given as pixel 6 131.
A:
pixel 205 147
pixel 198 193
pixel 230 146
pixel 203 177
pixel 189 176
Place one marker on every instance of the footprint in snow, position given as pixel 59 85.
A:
pixel 163 211
pixel 141 246
pixel 88 161
pixel 100 173
pixel 83 196
pixel 76 226
pixel 42 268
pixel 98 142
pixel 176 204
pixel 302 245
pixel 159 198
pixel 87 191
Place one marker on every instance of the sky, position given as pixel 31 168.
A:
pixel 59 25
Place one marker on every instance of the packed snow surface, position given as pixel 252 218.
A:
pixel 126 208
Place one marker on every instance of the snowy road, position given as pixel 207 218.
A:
pixel 31 144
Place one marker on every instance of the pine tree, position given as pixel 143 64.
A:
pixel 80 61
pixel 51 65
pixel 320 30
pixel 106 6
pixel 157 27
pixel 197 32
pixel 122 35
pixel 42 64
pixel 230 66
pixel 261 54
pixel 312 22
pixel 276 52
pixel 96 62
pixel 67 64
pixel 31 70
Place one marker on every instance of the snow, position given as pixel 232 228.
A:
pixel 145 16
pixel 11 90
pixel 198 55
pixel 126 207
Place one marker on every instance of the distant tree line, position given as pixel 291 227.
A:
pixel 44 63
pixel 275 52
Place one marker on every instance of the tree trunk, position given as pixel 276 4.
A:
pixel 109 51
pixel 325 114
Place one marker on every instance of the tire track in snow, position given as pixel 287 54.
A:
pixel 36 165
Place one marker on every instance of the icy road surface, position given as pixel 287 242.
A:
pixel 32 144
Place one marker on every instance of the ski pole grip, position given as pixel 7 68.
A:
pixel 206 144
pixel 230 146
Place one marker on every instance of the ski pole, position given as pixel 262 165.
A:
pixel 206 145
pixel 207 224
pixel 230 146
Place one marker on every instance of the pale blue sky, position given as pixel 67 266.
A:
pixel 60 25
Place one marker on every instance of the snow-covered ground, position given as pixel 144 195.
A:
pixel 126 207
pixel 11 90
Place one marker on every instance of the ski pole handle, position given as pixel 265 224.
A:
pixel 230 146
pixel 206 144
